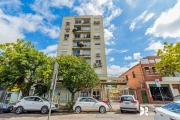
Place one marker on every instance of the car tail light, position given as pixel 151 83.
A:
pixel 133 101
pixel 172 119
pixel 18 101
pixel 155 112
pixel 120 101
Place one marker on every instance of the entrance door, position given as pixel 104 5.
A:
pixel 144 96
pixel 176 91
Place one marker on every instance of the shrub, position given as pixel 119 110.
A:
pixel 69 105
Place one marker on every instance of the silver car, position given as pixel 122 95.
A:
pixel 90 104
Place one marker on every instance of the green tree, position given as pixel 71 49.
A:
pixel 77 74
pixel 22 65
pixel 170 59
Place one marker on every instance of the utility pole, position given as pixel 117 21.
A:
pixel 53 86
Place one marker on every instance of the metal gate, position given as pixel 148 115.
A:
pixel 114 94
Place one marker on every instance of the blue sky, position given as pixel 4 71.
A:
pixel 133 28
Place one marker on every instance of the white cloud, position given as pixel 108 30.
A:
pixel 137 19
pixel 116 71
pixel 108 51
pixel 121 51
pixel 51 50
pixel 154 46
pixel 10 5
pixel 167 25
pixel 60 3
pixel 23 23
pixel 128 58
pixel 148 17
pixel 137 56
pixel 111 59
pixel 131 3
pixel 108 35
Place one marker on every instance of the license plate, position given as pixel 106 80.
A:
pixel 4 106
pixel 126 103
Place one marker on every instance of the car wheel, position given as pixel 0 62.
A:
pixel 78 110
pixel 138 111
pixel 122 111
pixel 44 110
pixel 19 110
pixel 102 109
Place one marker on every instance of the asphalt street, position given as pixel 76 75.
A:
pixel 82 116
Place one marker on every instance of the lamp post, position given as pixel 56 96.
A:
pixel 53 86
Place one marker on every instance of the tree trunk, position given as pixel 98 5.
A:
pixel 25 92
pixel 72 96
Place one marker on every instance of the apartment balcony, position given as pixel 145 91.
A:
pixel 97 37
pixel 96 22
pixel 82 46
pixel 81 31
pixel 66 38
pixel 172 79
pixel 97 54
pixel 77 38
pixel 96 65
pixel 87 23
pixel 86 55
pixel 67 23
pixel 67 29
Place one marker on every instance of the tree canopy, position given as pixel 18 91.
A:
pixel 22 65
pixel 77 74
pixel 170 59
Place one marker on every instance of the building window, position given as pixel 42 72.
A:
pixel 86 44
pixel 77 35
pixel 126 77
pixel 86 21
pixel 86 28
pixel 66 35
pixel 65 43
pixel 86 35
pixel 75 44
pixel 98 61
pixel 146 70
pixel 64 52
pixel 96 27
pixel 76 52
pixel 77 21
pixel 96 19
pixel 88 61
pixel 97 42
pixel 157 91
pixel 96 34
pixel 86 52
pixel 77 28
pixel 97 50
pixel 133 74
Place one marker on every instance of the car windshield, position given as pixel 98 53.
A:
pixel 173 107
pixel 126 98
pixel 45 99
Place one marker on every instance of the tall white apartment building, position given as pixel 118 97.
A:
pixel 84 36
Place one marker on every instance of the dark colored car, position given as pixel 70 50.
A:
pixel 5 107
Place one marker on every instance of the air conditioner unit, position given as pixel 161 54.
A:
pixel 95 64
pixel 67 23
pixel 97 54
pixel 100 64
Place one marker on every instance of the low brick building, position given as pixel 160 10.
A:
pixel 143 75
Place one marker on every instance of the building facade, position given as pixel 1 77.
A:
pixel 84 36
pixel 143 75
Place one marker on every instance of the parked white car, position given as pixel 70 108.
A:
pixel 129 103
pixel 176 98
pixel 89 104
pixel 34 103
pixel 169 111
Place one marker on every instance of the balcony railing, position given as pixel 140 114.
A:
pixel 97 37
pixel 97 65
pixel 96 22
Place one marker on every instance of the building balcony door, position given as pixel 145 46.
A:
pixel 144 96
pixel 176 91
